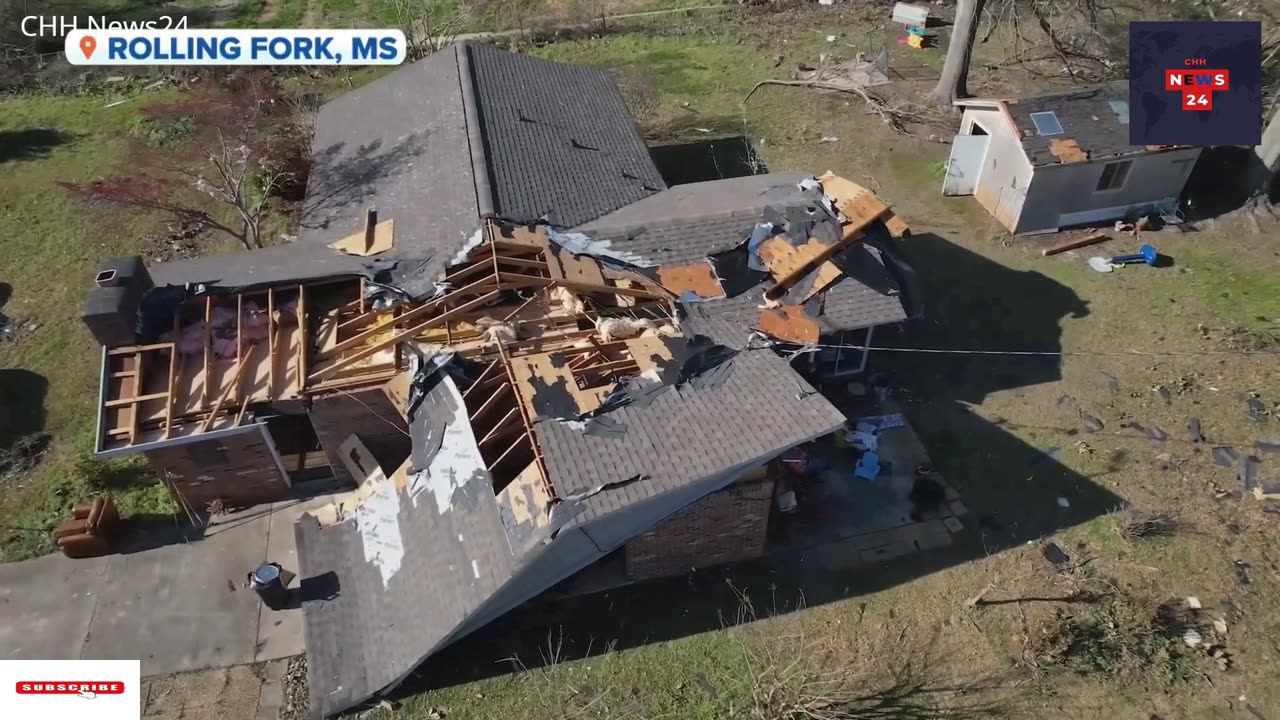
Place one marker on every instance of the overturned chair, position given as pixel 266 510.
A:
pixel 91 529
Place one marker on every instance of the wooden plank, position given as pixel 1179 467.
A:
pixel 481 285
pixel 523 437
pixel 1073 243
pixel 244 405
pixel 303 340
pixel 483 375
pixel 239 336
pixel 581 268
pixel 484 407
pixel 125 402
pixel 349 360
pixel 208 421
pixel 131 349
pixel 208 349
pixel 518 280
pixel 271 340
pixel 827 273
pixel 609 367
pixel 522 263
pixel 134 410
pixel 501 425
pixel 172 380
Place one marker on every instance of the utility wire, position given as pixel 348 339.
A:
pixel 1035 353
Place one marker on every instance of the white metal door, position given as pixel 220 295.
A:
pixel 967 155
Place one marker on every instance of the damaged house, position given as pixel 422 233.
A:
pixel 533 355
pixel 1063 159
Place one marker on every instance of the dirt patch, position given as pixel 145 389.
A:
pixel 220 694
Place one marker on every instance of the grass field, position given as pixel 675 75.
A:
pixel 901 638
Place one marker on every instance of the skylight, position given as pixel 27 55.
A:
pixel 1046 123
pixel 1121 109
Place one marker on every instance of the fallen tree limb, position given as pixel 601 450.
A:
pixel 893 116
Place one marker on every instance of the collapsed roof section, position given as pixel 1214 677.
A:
pixel 563 391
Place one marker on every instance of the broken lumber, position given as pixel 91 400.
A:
pixel 1073 243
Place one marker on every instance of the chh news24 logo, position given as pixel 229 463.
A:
pixel 1197 86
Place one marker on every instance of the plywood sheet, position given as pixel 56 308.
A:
pixel 697 278
pixel 648 351
pixel 791 323
pixel 383 240
pixel 784 259
pixel 855 202
pixel 1067 150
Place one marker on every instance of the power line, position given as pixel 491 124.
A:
pixel 1037 353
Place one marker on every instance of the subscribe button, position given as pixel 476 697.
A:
pixel 235 47
pixel 70 688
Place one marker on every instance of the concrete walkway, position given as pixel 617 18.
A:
pixel 177 607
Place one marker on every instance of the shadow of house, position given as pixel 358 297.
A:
pixel 1225 179
pixel 30 144
pixel 22 412
pixel 974 303
pixel 705 160
pixel 672 608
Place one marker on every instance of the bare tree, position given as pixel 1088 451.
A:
pixel 429 25
pixel 952 85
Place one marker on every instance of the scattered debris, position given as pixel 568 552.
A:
pixel 1056 555
pixel 829 139
pixel 1073 243
pixel 1084 448
pixel 1244 572
pixel 1065 402
pixel 1220 626
pixel 1193 602
pixel 1223 456
pixel 1064 503
pixel 1268 445
pixel 14 329
pixel 1193 427
pixel 1192 638
pixel 1091 423
pixel 1257 409
pixel 1247 473
pixel 1111 382
pixel 1156 433
pixel 1132 524
pixel 1163 393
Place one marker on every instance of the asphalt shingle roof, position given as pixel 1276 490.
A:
pixel 1086 116
pixel 398 144
pixel 687 434
pixel 558 139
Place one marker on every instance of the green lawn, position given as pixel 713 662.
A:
pixel 52 247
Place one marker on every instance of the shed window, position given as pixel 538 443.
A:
pixel 1046 123
pixel 1114 174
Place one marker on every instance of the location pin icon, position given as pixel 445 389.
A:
pixel 87 45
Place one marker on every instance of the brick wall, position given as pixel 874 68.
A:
pixel 724 527
pixel 240 470
pixel 368 414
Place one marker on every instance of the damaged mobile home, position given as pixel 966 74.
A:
pixel 532 355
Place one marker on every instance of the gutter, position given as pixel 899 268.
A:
pixel 475 136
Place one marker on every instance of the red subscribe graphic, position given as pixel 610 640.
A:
pixel 69 688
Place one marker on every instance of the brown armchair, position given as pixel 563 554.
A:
pixel 90 530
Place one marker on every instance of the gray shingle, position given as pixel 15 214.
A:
pixel 398 144
pixel 688 434
pixel 558 139
pixel 1086 116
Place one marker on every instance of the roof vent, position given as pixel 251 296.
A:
pixel 1046 123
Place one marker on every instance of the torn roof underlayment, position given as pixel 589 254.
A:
pixel 566 385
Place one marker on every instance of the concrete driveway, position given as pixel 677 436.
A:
pixel 178 607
